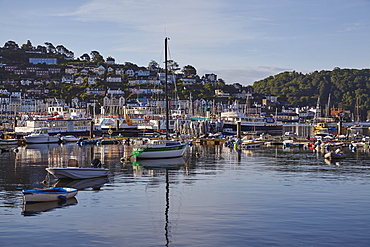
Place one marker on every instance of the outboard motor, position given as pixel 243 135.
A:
pixel 96 163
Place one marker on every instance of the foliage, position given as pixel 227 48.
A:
pixel 345 87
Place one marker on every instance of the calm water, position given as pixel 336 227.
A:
pixel 214 197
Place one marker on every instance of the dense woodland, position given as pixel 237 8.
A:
pixel 348 89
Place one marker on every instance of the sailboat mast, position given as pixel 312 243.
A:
pixel 166 86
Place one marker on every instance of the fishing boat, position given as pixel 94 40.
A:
pixel 49 194
pixel 58 120
pixel 41 135
pixel 249 124
pixel 159 149
pixel 75 172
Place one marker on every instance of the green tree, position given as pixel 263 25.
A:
pixel 189 70
pixel 11 45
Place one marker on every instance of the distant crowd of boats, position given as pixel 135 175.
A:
pixel 60 125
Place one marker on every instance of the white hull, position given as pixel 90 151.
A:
pixel 48 195
pixel 41 139
pixel 8 141
pixel 69 138
pixel 77 173
pixel 161 153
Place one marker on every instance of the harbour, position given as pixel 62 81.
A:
pixel 214 195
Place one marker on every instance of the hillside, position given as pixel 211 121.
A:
pixel 345 87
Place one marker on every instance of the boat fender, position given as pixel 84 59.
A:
pixel 96 163
pixel 62 197
pixel 122 160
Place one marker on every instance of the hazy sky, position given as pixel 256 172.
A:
pixel 239 40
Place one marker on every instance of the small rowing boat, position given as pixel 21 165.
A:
pixel 49 194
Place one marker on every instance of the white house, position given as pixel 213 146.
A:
pixel 67 79
pixel 130 73
pixel 110 69
pixel 26 82
pixel 84 72
pixel 143 73
pixel 92 79
pixel 100 70
pixel 120 71
pixel 141 82
pixel 188 81
pixel 79 80
pixel 70 71
pixel 114 78
pixel 171 78
pixel 115 91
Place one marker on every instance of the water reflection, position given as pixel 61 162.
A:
pixel 81 184
pixel 156 167
pixel 32 209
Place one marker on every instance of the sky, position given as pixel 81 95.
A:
pixel 238 40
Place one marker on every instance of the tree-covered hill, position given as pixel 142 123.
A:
pixel 345 87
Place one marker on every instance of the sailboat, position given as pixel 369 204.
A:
pixel 160 149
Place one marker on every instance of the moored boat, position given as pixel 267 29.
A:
pixel 335 155
pixel 40 136
pixel 69 138
pixel 49 194
pixel 159 149
pixel 77 172
pixel 8 141
pixel 72 171
pixel 249 124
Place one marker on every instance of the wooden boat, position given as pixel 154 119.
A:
pixel 50 194
pixel 41 135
